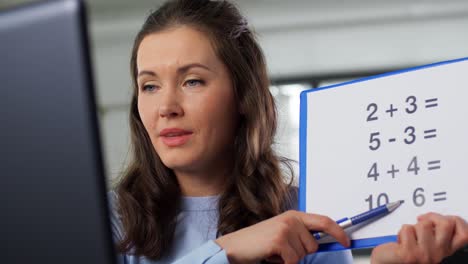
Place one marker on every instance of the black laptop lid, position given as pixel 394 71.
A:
pixel 52 188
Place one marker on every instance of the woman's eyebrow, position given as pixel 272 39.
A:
pixel 180 70
pixel 187 67
pixel 151 73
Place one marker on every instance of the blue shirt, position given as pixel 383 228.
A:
pixel 195 234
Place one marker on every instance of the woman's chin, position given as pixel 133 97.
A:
pixel 179 164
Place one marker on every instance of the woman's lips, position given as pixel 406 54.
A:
pixel 174 137
pixel 174 141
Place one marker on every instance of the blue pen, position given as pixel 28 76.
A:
pixel 371 214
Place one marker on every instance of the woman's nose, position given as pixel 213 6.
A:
pixel 170 105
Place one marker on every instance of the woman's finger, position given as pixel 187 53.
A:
pixel 460 237
pixel 308 242
pixel 425 233
pixel 407 237
pixel 296 244
pixel 325 224
pixel 443 229
pixel 407 245
pixel 289 255
pixel 425 238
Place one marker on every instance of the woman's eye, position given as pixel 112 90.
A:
pixel 193 83
pixel 149 87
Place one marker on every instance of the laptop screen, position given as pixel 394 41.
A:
pixel 53 193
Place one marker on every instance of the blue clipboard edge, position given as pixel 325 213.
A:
pixel 358 243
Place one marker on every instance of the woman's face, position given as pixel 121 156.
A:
pixel 186 99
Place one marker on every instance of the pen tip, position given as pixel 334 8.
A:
pixel 392 206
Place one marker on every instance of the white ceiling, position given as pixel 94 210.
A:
pixel 103 7
pixel 264 14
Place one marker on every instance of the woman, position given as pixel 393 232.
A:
pixel 205 185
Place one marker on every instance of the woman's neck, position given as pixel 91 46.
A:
pixel 208 179
pixel 201 183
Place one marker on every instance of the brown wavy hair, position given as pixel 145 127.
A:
pixel 148 192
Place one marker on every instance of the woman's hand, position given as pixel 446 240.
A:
pixel 430 240
pixel 285 237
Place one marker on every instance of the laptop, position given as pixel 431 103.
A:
pixel 52 188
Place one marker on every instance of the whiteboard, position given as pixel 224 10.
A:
pixel 396 136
